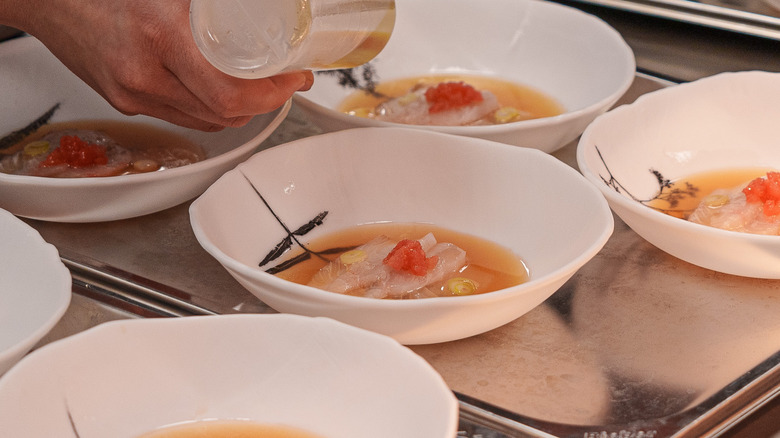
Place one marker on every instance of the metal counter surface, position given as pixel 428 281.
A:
pixel 636 344
pixel 681 48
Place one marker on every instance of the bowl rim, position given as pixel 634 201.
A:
pixel 534 283
pixel 613 196
pixel 278 115
pixel 385 343
pixel 62 295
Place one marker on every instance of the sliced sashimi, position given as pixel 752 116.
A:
pixel 69 154
pixel 422 107
pixel 450 260
pixel 741 209
pixel 374 270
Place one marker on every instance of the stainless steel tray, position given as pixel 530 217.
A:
pixel 636 344
pixel 750 17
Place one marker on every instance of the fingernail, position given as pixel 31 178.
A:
pixel 308 81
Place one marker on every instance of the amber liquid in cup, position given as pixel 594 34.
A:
pixel 261 38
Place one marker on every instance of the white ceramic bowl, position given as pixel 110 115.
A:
pixel 34 289
pixel 32 80
pixel 124 378
pixel 521 198
pixel 569 55
pixel 716 123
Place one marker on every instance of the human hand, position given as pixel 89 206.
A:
pixel 141 57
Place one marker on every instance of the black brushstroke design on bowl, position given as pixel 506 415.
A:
pixel 362 78
pixel 666 191
pixel 287 242
pixel 70 420
pixel 16 136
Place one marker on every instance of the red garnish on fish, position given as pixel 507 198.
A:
pixel 409 256
pixel 766 191
pixel 451 95
pixel 76 153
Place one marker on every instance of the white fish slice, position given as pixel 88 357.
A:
pixel 734 213
pixel 377 280
pixel 412 109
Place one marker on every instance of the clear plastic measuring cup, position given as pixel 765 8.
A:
pixel 260 38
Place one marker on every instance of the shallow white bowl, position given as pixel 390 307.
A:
pixel 571 56
pixel 32 80
pixel 34 289
pixel 521 198
pixel 716 123
pixel 124 378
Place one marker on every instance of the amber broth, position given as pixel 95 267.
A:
pixel 228 428
pixel 373 42
pixel 491 265
pixel 143 140
pixel 706 183
pixel 509 94
pixel 364 52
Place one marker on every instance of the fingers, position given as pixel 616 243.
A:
pixel 210 101
pixel 175 116
pixel 204 92
pixel 309 81
pixel 228 97
pixel 149 64
pixel 169 99
pixel 235 102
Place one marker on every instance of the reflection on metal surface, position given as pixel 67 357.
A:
pixel 747 17
pixel 479 420
pixel 128 292
pixel 741 398
pixel 535 366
